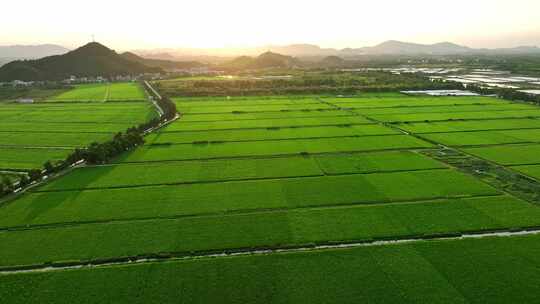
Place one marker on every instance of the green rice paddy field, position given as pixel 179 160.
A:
pixel 102 93
pixel 454 271
pixel 249 174
pixel 31 134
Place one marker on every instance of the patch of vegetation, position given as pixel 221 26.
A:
pixel 498 176
pixel 307 82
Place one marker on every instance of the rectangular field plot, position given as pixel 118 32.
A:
pixel 264 115
pixel 359 103
pixel 426 117
pixel 266 123
pixel 295 227
pixel 273 147
pixel 84 92
pixel 77 128
pixel 22 158
pixel 7 110
pixel 485 137
pixel 471 125
pixel 193 109
pixel 486 270
pixel 376 162
pixel 125 91
pixel 185 172
pixel 43 139
pixel 190 199
pixel 266 134
pixel 133 113
pixel 508 155
pixel 446 109
pixel 111 116
pixel 243 101
pixel 40 127
pixel 131 175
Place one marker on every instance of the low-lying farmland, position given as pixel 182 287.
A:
pixel 508 154
pixel 297 227
pixel 29 158
pixel 188 109
pixel 267 123
pixel 470 125
pixel 84 92
pixel 102 92
pixel 268 134
pixel 535 112
pixel 284 185
pixel 264 115
pixel 406 101
pixel 274 147
pixel 488 270
pixel 126 175
pixel 125 92
pixel 492 137
pixel 31 134
pixel 109 204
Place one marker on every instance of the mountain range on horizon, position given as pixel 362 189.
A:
pixel 391 47
pixel 95 59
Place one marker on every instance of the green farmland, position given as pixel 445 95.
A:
pixel 275 199
pixel 462 271
pixel 31 134
pixel 85 92
pixel 102 93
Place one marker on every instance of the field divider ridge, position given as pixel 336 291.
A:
pixel 265 250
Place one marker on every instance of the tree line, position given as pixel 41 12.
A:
pixel 508 94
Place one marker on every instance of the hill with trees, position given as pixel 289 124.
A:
pixel 91 60
pixel 264 61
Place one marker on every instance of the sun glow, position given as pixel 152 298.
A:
pixel 240 23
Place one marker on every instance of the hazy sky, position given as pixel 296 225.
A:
pixel 239 23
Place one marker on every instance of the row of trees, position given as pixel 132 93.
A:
pixel 509 94
pixel 95 153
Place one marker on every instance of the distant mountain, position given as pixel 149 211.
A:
pixel 520 50
pixel 394 47
pixel 31 51
pixel 93 59
pixel 263 61
pixel 161 56
pixel 168 65
pixel 303 50
pixel 332 62
pixel 390 48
